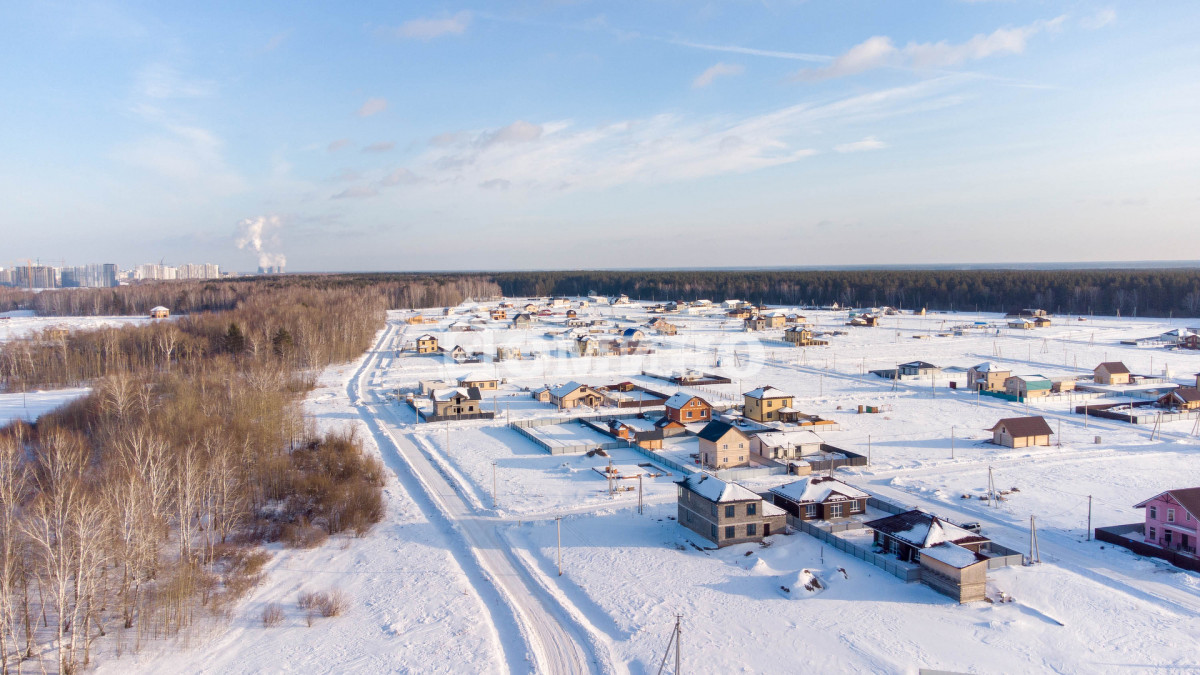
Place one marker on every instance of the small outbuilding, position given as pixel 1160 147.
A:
pixel 1021 432
pixel 159 312
pixel 1111 372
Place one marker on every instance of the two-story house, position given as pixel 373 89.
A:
pixel 724 512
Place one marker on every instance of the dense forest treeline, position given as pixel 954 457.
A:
pixel 1166 292
pixel 1130 292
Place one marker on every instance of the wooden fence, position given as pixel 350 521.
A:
pixel 1116 534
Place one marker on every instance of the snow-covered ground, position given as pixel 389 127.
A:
pixel 31 405
pixel 474 584
pixel 21 323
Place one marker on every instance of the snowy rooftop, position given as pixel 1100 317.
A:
pixel 951 554
pixel 780 439
pixel 816 489
pixel 564 389
pixel 768 392
pixel 716 490
pixel 678 400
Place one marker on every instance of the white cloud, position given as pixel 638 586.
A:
pixel 356 192
pixel 868 143
pixel 380 146
pixel 188 155
pixel 373 106
pixel 750 51
pixel 879 51
pixel 706 78
pixel 158 81
pixel 660 149
pixel 338 144
pixel 1100 19
pixel 401 176
pixel 428 29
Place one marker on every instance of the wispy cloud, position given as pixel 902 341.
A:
pixel 276 41
pixel 401 176
pixel 706 78
pixel 879 51
pixel 380 146
pixel 159 81
pixel 558 155
pixel 868 143
pixel 1100 19
pixel 356 192
pixel 750 51
pixel 339 144
pixel 373 106
pixel 428 29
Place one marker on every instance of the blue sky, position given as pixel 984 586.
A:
pixel 411 136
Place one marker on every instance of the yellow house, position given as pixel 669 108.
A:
pixel 160 312
pixel 427 344
pixel 766 404
pixel 723 446
pixel 1111 372
pixel 478 380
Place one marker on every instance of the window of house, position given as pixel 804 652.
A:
pixel 730 532
pixel 1154 512
pixel 729 511
pixel 689 414
pixel 1167 537
pixel 835 511
pixel 713 507
pixel 741 458
pixel 1170 515
pixel 714 531
pixel 689 515
pixel 1153 534
pixel 725 446
pixel 751 530
pixel 810 511
pixel 751 509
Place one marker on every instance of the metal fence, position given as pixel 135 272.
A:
pixel 574 449
pixel 1116 535
pixel 908 573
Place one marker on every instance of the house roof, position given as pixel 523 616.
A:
pixel 476 377
pixel 1113 367
pixel 630 332
pixel 679 399
pixel 923 529
pixel 1186 394
pixel 767 391
pixel 817 489
pixel 160 308
pixel 1021 427
pixel 776 439
pixel 918 364
pixel 427 336
pixel 470 393
pixel 989 367
pixel 716 490
pixel 564 389
pixel 952 554
pixel 714 430
pixel 1188 498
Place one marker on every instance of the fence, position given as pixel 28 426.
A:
pixel 849 459
pixel 998 555
pixel 1116 535
pixel 574 449
pixel 908 573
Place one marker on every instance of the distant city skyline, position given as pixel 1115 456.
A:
pixel 534 135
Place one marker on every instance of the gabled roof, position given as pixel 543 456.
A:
pixel 767 391
pixel 923 529
pixel 427 336
pixel 564 389
pixel 1021 427
pixel 716 490
pixel 989 367
pixel 470 393
pixel 1186 394
pixel 817 489
pixel 917 364
pixel 776 439
pixel 159 308
pixel 714 430
pixel 1113 367
pixel 680 399
pixel 476 377
pixel 1188 498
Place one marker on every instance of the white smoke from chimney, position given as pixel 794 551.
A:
pixel 256 234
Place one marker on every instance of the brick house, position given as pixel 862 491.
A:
pixel 802 337
pixel 685 409
pixel 987 377
pixel 723 446
pixel 819 498
pixel 573 395
pixel 456 401
pixel 1021 432
pixel 1111 372
pixel 724 512
pixel 767 404
pixel 1173 520
pixel 1028 386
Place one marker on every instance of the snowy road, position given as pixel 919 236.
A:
pixel 554 642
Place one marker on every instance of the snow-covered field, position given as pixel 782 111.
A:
pixel 454 582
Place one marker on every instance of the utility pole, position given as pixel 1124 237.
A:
pixel 1089 532
pixel 951 442
pixel 868 449
pixel 495 501
pixel 639 494
pixel 676 636
pixel 1035 555
pixel 991 488
pixel 558 524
